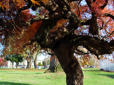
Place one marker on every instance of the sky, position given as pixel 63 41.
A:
pixel 42 57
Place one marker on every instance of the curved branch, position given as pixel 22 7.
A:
pixel 104 5
pixel 109 15
pixel 93 44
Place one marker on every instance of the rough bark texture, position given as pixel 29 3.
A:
pixel 69 63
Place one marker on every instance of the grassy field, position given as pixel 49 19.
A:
pixel 38 77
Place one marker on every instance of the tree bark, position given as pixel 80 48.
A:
pixel 69 63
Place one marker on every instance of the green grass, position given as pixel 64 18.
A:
pixel 97 77
pixel 30 77
pixel 38 77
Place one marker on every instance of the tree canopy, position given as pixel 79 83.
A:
pixel 83 18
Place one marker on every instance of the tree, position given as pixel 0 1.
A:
pixel 15 58
pixel 54 63
pixel 63 38
pixel 32 51
pixel 35 54
pixel 39 64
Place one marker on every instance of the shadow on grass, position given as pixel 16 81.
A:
pixel 11 83
pixel 108 75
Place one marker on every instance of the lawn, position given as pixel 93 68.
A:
pixel 97 77
pixel 38 77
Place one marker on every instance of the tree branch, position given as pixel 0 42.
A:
pixel 104 5
pixel 109 15
pixel 93 44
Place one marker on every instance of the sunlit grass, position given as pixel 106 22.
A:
pixel 38 77
pixel 97 77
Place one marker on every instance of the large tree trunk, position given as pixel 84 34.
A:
pixel 69 63
pixel 35 62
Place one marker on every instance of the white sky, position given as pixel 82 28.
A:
pixel 42 56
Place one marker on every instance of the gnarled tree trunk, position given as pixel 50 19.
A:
pixel 69 63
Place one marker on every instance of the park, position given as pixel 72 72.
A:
pixel 76 34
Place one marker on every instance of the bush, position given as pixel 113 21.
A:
pixel 39 64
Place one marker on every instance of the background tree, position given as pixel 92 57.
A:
pixel 31 52
pixel 39 64
pixel 54 63
pixel 18 24
pixel 15 58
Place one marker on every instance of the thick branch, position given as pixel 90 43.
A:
pixel 104 5
pixel 109 15
pixel 93 44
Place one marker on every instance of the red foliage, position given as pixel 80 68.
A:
pixel 1 62
pixel 19 36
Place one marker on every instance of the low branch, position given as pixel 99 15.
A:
pixel 93 44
